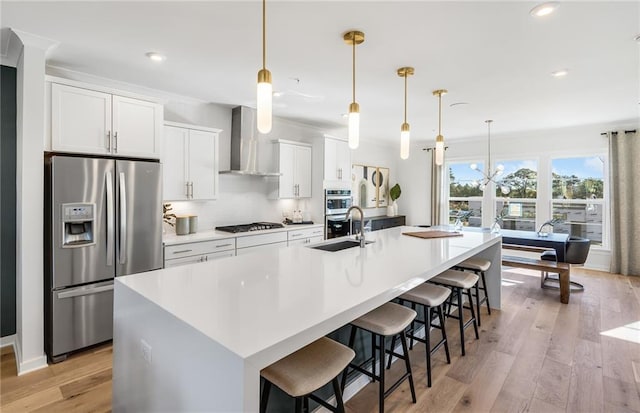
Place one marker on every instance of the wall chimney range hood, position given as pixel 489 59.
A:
pixel 252 153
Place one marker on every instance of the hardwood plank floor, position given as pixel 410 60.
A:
pixel 533 356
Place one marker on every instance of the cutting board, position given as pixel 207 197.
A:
pixel 433 234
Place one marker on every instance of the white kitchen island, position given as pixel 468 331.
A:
pixel 195 337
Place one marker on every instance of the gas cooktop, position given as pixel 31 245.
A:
pixel 256 226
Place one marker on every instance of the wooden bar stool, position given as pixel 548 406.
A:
pixel 390 319
pixel 459 282
pixel 307 370
pixel 430 297
pixel 479 266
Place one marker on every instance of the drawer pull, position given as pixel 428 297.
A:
pixel 223 245
pixel 296 235
pixel 181 252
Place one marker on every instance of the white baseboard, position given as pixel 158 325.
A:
pixel 25 366
pixel 7 341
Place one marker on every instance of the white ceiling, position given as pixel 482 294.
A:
pixel 493 55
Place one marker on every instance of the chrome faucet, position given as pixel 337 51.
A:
pixel 361 236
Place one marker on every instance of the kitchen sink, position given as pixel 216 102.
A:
pixel 339 246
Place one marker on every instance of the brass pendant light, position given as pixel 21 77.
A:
pixel 439 139
pixel 265 87
pixel 354 38
pixel 404 129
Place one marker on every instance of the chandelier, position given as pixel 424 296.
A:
pixel 486 177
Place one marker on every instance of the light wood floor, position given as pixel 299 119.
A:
pixel 535 355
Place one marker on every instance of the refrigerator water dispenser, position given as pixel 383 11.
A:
pixel 78 225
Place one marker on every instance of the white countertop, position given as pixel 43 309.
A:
pixel 251 305
pixel 173 239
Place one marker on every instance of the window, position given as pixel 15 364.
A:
pixel 516 195
pixel 578 197
pixel 465 196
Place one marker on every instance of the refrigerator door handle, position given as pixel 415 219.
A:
pixel 78 292
pixel 110 226
pixel 123 220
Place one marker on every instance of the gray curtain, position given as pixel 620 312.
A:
pixel 624 161
pixel 437 191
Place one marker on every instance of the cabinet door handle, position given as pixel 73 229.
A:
pixel 223 245
pixel 191 190
pixel 206 258
pixel 115 142
pixel 181 251
pixel 109 141
pixel 295 235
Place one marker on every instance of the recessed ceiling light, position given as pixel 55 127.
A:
pixel 344 115
pixel 156 57
pixel 277 94
pixel 560 73
pixel 544 9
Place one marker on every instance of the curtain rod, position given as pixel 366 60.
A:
pixel 615 133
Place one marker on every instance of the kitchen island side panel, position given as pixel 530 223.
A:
pixel 183 370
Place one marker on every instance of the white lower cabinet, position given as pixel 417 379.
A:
pixel 198 252
pixel 252 243
pixel 305 236
pixel 203 251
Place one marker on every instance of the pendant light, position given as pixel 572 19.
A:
pixel 486 178
pixel 354 38
pixel 404 129
pixel 265 88
pixel 439 138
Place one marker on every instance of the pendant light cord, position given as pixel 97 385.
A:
pixel 405 98
pixel 439 113
pixel 264 33
pixel 353 86
pixel 489 144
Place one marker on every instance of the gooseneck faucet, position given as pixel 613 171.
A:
pixel 362 240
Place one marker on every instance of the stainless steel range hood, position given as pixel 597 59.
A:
pixel 251 152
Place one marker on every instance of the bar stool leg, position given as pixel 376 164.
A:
pixel 298 405
pixel 381 392
pixel 444 333
pixel 338 392
pixel 266 389
pixel 305 404
pixel 473 313
pixel 460 319
pixel 477 287
pixel 403 339
pixel 427 337
pixel 484 285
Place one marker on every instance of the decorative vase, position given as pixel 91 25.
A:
pixel 495 228
pixel 395 208
pixel 390 210
pixel 457 226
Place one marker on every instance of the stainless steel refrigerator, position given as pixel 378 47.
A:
pixel 103 219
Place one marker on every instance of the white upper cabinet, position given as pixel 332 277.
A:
pixel 337 161
pixel 295 169
pixel 190 159
pixel 100 123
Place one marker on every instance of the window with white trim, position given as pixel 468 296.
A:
pixel 578 201
pixel 516 195
pixel 465 195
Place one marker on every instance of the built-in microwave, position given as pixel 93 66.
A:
pixel 337 201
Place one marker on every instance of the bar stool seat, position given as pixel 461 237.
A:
pixel 387 320
pixel 307 370
pixel 479 266
pixel 455 278
pixel 459 282
pixel 476 264
pixel 390 319
pixel 431 297
pixel 427 294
